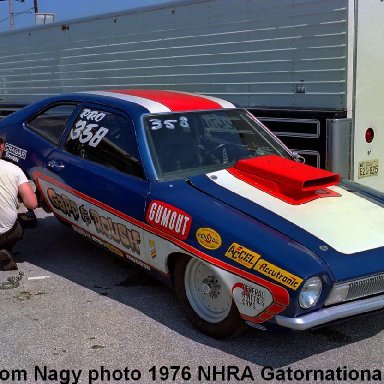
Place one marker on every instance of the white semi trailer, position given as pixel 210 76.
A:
pixel 312 70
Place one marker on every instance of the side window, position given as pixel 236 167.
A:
pixel 106 138
pixel 51 123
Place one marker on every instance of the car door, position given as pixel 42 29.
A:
pixel 42 133
pixel 95 181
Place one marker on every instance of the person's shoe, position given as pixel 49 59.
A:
pixel 7 261
pixel 27 219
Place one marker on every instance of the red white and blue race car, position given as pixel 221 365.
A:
pixel 202 195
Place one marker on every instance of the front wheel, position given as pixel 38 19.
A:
pixel 205 299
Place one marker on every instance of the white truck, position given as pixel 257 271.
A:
pixel 312 70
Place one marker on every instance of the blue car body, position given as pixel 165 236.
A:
pixel 244 236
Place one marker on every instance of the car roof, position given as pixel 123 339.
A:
pixel 158 101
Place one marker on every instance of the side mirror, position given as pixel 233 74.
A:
pixel 298 158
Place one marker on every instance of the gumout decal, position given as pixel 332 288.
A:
pixel 169 219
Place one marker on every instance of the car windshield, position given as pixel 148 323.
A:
pixel 190 143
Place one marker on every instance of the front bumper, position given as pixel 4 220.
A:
pixel 327 315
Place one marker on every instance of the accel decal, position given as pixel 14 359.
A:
pixel 208 238
pixel 169 219
pixel 253 260
pixel 242 255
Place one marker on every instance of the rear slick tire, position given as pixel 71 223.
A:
pixel 206 300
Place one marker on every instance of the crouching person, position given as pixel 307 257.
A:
pixel 14 185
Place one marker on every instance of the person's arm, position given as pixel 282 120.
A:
pixel 28 197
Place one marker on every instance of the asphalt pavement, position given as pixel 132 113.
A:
pixel 80 315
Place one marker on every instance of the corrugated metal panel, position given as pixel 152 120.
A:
pixel 253 52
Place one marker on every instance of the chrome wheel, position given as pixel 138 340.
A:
pixel 206 292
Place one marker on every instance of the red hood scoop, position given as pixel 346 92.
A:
pixel 293 182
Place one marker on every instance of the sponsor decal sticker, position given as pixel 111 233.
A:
pixel 253 260
pixel 208 238
pixel 251 299
pixel 114 249
pixel 169 219
pixel 282 276
pixel 242 255
pixel 14 153
pixel 152 248
pixel 138 262
pixel 81 231
pixel 256 302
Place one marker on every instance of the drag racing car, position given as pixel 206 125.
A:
pixel 203 196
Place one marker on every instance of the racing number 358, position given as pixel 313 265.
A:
pixel 87 133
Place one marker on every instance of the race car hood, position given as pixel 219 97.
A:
pixel 309 205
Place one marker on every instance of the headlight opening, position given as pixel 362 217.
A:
pixel 310 292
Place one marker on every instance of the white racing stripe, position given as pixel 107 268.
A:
pixel 223 103
pixel 152 106
pixel 348 223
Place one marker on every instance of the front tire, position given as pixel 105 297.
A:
pixel 205 299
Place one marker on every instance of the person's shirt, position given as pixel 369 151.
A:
pixel 11 177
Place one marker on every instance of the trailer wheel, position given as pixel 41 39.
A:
pixel 205 299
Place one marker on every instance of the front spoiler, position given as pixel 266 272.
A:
pixel 327 315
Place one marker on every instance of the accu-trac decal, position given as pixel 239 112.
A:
pixel 169 219
pixel 253 260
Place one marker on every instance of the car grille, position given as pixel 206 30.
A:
pixel 365 287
